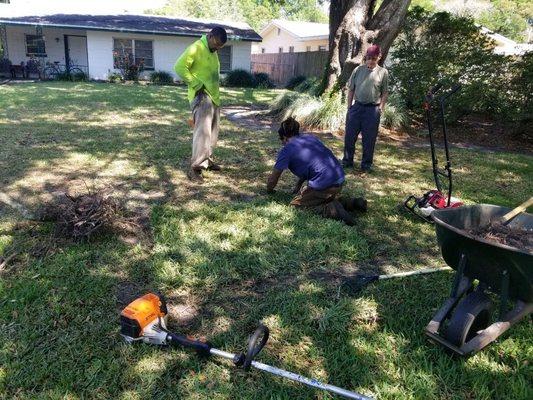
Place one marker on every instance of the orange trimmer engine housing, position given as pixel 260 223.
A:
pixel 141 313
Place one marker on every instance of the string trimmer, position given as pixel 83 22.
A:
pixel 145 320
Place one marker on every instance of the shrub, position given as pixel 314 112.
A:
pixel 282 102
pixel 262 80
pixel 161 78
pixel 395 114
pixel 79 77
pixel 115 77
pixel 71 77
pixel 310 86
pixel 239 78
pixel 295 81
pixel 325 112
pixel 450 49
pixel 128 67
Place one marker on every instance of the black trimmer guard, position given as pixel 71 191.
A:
pixel 462 324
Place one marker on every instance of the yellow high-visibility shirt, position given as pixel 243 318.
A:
pixel 199 67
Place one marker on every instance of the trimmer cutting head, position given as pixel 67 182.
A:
pixel 145 319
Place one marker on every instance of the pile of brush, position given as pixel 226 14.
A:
pixel 82 216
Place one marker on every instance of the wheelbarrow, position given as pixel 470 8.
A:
pixel 464 323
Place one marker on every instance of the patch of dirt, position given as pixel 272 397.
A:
pixel 503 234
pixel 252 117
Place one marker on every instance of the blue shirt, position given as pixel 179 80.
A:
pixel 307 158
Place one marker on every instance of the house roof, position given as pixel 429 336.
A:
pixel 506 46
pixel 299 29
pixel 156 25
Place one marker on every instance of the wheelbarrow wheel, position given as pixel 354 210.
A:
pixel 471 315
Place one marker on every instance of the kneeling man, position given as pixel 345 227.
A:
pixel 307 158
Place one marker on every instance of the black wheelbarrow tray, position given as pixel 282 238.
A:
pixel 464 324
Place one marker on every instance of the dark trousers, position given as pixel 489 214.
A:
pixel 364 119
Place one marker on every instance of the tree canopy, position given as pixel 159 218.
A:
pixel 257 13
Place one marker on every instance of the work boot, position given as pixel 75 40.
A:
pixel 335 210
pixel 195 175
pixel 214 167
pixel 354 204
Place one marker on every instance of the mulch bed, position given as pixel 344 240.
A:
pixel 503 234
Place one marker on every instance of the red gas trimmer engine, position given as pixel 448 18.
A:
pixel 430 201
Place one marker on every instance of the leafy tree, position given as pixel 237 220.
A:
pixel 507 17
pixel 445 48
pixel 257 13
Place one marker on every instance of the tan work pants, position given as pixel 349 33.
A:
pixel 206 117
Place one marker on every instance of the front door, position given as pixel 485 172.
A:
pixel 76 52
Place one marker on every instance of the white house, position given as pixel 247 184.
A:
pixel 90 41
pixel 506 46
pixel 281 36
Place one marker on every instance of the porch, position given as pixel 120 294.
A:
pixel 26 50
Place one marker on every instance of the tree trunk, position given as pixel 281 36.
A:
pixel 353 27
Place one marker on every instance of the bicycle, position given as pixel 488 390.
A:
pixel 53 70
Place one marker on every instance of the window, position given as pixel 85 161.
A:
pixel 263 50
pixel 308 48
pixel 321 48
pixel 35 46
pixel 224 56
pixel 279 31
pixel 291 49
pixel 144 51
pixel 135 49
pixel 281 49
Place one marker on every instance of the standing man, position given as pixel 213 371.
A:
pixel 199 67
pixel 369 87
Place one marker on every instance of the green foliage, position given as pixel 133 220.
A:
pixel 326 112
pixel 295 81
pixel 309 85
pixel 262 81
pixel 161 78
pixel 395 114
pixel 507 17
pixel 65 76
pixel 443 48
pixel 115 77
pixel 239 78
pixel 257 13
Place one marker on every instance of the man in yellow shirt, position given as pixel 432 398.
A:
pixel 199 68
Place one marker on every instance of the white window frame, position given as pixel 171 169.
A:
pixel 322 48
pixel 280 49
pixel 307 48
pixel 28 54
pixel 291 49
pixel 223 71
pixel 152 68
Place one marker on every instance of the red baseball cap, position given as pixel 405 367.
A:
pixel 373 51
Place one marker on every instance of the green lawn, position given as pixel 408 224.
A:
pixel 226 255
